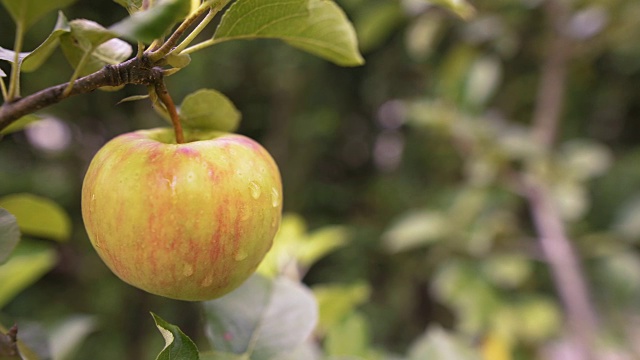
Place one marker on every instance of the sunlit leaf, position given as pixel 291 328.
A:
pixel 177 344
pixel 349 337
pixel 415 229
pixel 461 8
pixel 321 242
pixel 29 261
pixel 317 26
pixel 9 234
pixel 38 216
pixel 262 318
pixel 20 124
pixel 337 301
pixel 37 57
pixel 28 12
pixel 208 109
pixel 148 25
pixel 437 344
pixel 67 336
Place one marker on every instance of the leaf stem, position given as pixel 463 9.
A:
pixel 165 98
pixel 76 72
pixel 3 88
pixel 14 81
pixel 207 19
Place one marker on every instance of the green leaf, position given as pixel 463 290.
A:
pixel 415 229
pixel 20 124
pixel 133 98
pixel 28 12
pixel 67 336
pixel 349 337
pixel 460 7
pixel 131 5
pixel 316 26
pixel 208 109
pixel 177 344
pixel 337 301
pixel 9 234
pixel 148 25
pixel 321 242
pixel 38 216
pixel 37 57
pixel 29 261
pixel 262 318
pixel 89 37
pixel 376 22
pixel 437 344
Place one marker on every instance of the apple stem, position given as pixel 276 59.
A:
pixel 163 95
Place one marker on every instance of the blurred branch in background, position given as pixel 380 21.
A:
pixel 562 258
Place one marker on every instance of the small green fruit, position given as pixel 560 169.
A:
pixel 186 221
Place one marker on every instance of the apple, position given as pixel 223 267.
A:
pixel 186 221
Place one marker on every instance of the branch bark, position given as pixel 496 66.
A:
pixel 562 258
pixel 138 70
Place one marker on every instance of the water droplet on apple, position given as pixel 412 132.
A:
pixel 255 190
pixel 187 270
pixel 208 280
pixel 275 197
pixel 241 255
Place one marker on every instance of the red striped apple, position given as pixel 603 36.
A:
pixel 186 221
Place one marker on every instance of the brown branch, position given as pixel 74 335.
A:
pixel 562 258
pixel 134 71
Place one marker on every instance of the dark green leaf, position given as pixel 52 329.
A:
pixel 38 216
pixel 19 124
pixel 28 12
pixel 317 26
pixel 37 57
pixel 262 318
pixel 148 25
pixel 178 346
pixel 29 261
pixel 9 234
pixel 208 109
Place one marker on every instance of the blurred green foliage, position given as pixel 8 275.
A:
pixel 399 171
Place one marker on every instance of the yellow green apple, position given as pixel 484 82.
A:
pixel 186 221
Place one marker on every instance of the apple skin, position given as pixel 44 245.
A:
pixel 185 221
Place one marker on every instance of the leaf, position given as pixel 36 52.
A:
pixel 415 229
pixel 177 344
pixel 349 337
pixel 9 234
pixel 28 12
pixel 337 301
pixel 178 60
pixel 208 109
pixel 148 25
pixel 320 243
pixel 33 60
pixel 38 216
pixel 131 5
pixel 460 7
pixel 133 98
pixel 20 124
pixel 77 43
pixel 9 55
pixel 29 261
pixel 67 336
pixel 319 27
pixel 437 344
pixel 262 318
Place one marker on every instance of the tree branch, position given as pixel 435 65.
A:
pixel 138 71
pixel 562 259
